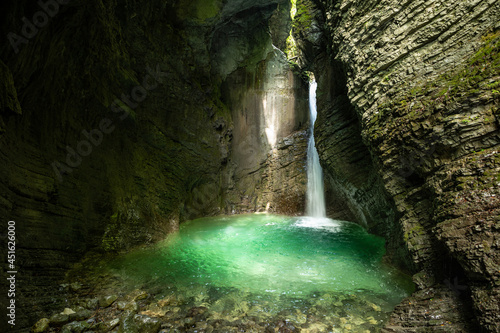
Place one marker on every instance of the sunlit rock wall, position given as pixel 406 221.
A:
pixel 270 113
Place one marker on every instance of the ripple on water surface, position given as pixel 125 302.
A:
pixel 272 263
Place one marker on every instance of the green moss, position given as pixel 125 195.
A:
pixel 200 10
pixel 478 76
pixel 302 20
pixel 291 47
pixel 417 230
pixel 300 13
pixel 293 9
pixel 110 239
pixel 207 9
pixel 305 76
pixel 483 65
pixel 493 85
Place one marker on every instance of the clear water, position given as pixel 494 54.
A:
pixel 315 197
pixel 272 263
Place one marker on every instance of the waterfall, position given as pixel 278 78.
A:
pixel 315 205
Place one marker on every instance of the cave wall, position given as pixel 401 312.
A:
pixel 129 185
pixel 407 133
pixel 114 129
pixel 269 147
pixel 409 112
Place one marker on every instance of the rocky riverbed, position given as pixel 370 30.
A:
pixel 140 311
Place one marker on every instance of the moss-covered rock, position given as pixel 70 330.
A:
pixel 421 87
pixel 41 326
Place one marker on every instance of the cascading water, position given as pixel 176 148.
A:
pixel 249 272
pixel 315 205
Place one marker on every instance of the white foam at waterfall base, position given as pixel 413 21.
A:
pixel 322 223
pixel 315 204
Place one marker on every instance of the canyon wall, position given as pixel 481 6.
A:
pixel 117 124
pixel 119 120
pixel 408 95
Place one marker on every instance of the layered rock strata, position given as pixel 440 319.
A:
pixel 412 89
pixel 113 127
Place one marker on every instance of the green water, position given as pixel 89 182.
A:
pixel 272 263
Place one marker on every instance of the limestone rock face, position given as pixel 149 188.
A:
pixel 81 170
pixel 409 100
pixel 114 128
pixel 269 146
pixel 119 120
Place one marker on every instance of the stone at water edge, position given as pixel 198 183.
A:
pixel 106 301
pixel 75 326
pixel 127 324
pixel 81 314
pixel 137 295
pixel 134 323
pixel 59 319
pixel 41 326
pixel 155 310
pixel 189 321
pixel 75 286
pixel 112 323
pixel 121 305
pixel 201 325
pixel 68 311
pixel 131 306
pixel 92 304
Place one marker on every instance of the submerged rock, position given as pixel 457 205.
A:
pixel 146 324
pixel 137 295
pixel 92 304
pixel 75 286
pixel 112 323
pixel 136 323
pixel 120 305
pixel 127 323
pixel 106 301
pixel 130 306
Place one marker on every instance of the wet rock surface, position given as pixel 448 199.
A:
pixel 410 100
pixel 408 138
pixel 266 165
pixel 196 311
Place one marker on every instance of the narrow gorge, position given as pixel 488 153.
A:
pixel 126 124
